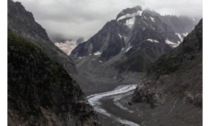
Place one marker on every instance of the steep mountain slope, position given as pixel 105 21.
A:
pixel 135 36
pixel 22 22
pixel 40 91
pixel 134 25
pixel 121 34
pixel 40 88
pixel 176 77
pixel 26 24
pixel 180 24
pixel 142 55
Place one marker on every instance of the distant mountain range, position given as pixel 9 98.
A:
pixel 135 39
pixel 44 81
pixel 68 46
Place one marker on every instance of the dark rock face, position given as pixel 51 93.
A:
pixel 180 24
pixel 129 11
pixel 140 58
pixel 22 22
pixel 190 49
pixel 177 74
pixel 106 41
pixel 138 37
pixel 40 91
pixel 40 88
pixel 25 20
pixel 173 86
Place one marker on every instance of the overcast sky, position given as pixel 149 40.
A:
pixel 72 19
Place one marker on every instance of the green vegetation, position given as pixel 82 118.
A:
pixel 166 65
pixel 34 81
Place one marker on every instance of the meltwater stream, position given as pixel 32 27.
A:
pixel 94 100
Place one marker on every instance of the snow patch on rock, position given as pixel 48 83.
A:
pixel 138 13
pixel 180 37
pixel 152 19
pixel 185 34
pixel 120 35
pixel 129 47
pixel 130 22
pixel 152 40
pixel 97 53
pixel 172 44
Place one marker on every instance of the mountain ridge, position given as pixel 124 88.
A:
pixel 185 63
pixel 133 31
pixel 27 27
pixel 41 78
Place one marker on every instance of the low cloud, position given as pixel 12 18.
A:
pixel 72 19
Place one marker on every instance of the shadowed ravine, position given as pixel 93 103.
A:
pixel 118 92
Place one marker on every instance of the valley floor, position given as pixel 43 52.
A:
pixel 114 95
pixel 113 110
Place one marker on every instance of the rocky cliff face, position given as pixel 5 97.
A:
pixel 180 24
pixel 40 91
pixel 131 27
pixel 136 37
pixel 22 22
pixel 171 93
pixel 177 74
pixel 141 57
pixel 150 43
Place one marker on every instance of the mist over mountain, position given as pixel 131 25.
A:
pixel 142 68
pixel 88 17
pixel 135 39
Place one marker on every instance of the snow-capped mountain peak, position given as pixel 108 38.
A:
pixel 129 13
pixel 135 31
pixel 127 16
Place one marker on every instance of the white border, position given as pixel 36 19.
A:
pixel 3 65
pixel 206 62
